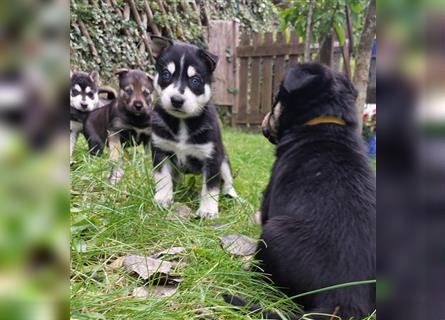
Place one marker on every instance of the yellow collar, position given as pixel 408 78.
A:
pixel 326 119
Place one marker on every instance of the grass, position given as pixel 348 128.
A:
pixel 109 222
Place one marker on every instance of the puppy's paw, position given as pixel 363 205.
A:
pixel 208 210
pixel 163 200
pixel 230 192
pixel 115 176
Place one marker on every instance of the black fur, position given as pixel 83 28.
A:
pixel 318 211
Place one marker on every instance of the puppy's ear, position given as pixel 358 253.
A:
pixel 149 76
pixel 158 44
pixel 121 72
pixel 210 59
pixel 297 79
pixel 95 76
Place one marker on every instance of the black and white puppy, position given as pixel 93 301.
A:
pixel 186 131
pixel 125 121
pixel 84 98
pixel 318 211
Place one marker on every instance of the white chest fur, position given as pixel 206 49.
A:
pixel 182 148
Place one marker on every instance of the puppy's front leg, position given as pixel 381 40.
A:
pixel 163 178
pixel 211 181
pixel 75 128
pixel 114 143
pixel 73 139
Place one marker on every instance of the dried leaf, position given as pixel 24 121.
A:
pixel 247 262
pixel 145 267
pixel 116 263
pixel 154 291
pixel 181 213
pixel 205 314
pixel 140 292
pixel 238 244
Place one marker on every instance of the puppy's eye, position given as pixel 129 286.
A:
pixel 128 91
pixel 166 75
pixel 75 92
pixel 146 93
pixel 195 82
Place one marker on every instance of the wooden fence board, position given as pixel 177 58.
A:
pixel 255 89
pixel 279 65
pixel 266 88
pixel 241 115
pixel 262 67
pixel 222 40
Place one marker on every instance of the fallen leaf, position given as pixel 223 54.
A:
pixel 238 244
pixel 180 212
pixel 145 267
pixel 205 314
pixel 140 292
pixel 150 268
pixel 116 263
pixel 247 262
pixel 154 291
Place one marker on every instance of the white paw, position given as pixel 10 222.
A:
pixel 163 200
pixel 115 176
pixel 207 214
pixel 230 191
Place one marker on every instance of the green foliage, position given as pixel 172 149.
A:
pixel 115 49
pixel 105 28
pixel 327 15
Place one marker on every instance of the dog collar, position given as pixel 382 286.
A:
pixel 319 120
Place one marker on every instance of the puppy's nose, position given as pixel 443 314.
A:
pixel 177 101
pixel 84 105
pixel 138 105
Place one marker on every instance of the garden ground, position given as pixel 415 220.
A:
pixel 108 222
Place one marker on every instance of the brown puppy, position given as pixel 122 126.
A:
pixel 125 121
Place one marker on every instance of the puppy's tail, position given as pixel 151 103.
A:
pixel 255 308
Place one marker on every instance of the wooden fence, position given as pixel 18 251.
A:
pixel 263 59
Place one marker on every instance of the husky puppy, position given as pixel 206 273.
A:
pixel 186 132
pixel 318 211
pixel 84 98
pixel 126 120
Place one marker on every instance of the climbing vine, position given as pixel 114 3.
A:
pixel 107 34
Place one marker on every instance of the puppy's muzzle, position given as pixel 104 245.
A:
pixel 138 105
pixel 177 102
pixel 267 129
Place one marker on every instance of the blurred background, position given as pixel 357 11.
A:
pixel 34 161
pixel 34 203
pixel 411 164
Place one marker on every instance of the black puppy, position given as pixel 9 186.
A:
pixel 318 211
pixel 127 120
pixel 186 131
